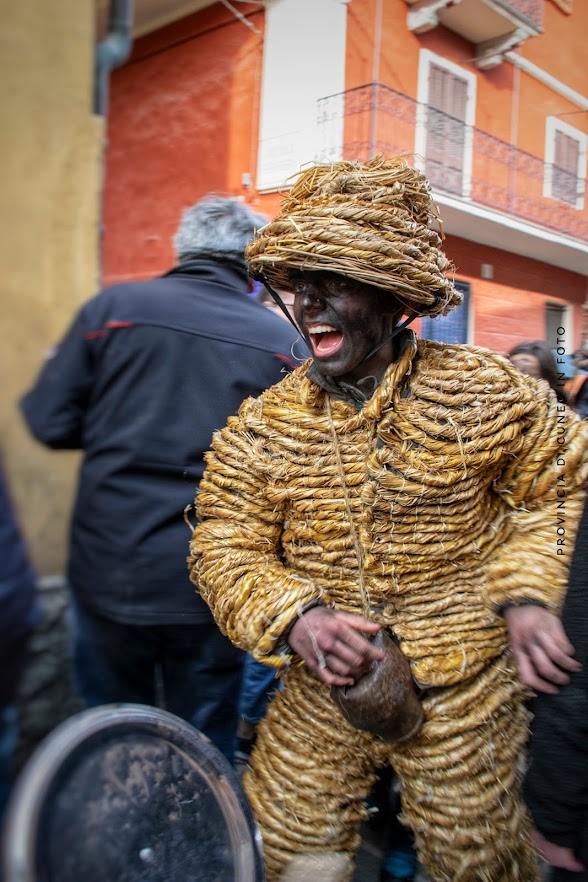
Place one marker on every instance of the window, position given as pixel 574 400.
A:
pixel 555 319
pixel 558 335
pixel 565 163
pixel 450 328
pixel 446 98
pixel 564 180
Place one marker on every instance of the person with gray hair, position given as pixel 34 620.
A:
pixel 217 227
pixel 144 376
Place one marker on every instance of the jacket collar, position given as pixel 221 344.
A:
pixel 205 264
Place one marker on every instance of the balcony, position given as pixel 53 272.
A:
pixel 493 26
pixel 487 189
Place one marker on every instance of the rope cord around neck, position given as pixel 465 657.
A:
pixel 365 600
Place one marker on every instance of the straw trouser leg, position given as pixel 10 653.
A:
pixel 460 781
pixel 310 774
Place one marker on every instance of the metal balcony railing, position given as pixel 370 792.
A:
pixel 458 159
pixel 532 10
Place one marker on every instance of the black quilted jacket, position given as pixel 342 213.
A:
pixel 144 376
pixel 556 787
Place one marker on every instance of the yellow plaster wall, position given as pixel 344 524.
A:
pixel 51 159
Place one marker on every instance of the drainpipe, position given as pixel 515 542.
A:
pixel 110 53
pixel 113 50
pixel 514 132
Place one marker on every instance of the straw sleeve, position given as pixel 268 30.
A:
pixel 234 553
pixel 544 486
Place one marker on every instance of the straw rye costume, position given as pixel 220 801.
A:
pixel 434 500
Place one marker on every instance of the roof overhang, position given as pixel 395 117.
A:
pixel 150 15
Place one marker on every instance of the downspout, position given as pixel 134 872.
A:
pixel 514 132
pixel 112 51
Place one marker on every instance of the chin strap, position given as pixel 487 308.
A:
pixel 398 329
pixel 259 277
pixel 391 336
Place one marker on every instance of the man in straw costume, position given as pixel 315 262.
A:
pixel 398 485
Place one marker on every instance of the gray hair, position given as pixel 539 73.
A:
pixel 217 226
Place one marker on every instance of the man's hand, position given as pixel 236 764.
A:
pixel 556 855
pixel 331 644
pixel 540 647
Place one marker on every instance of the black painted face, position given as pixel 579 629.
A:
pixel 343 321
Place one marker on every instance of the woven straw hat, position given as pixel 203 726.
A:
pixel 369 221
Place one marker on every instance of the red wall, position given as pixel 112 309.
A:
pixel 510 308
pixel 183 121
pixel 181 117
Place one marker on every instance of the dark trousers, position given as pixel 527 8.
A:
pixel 567 876
pixel 13 657
pixel 192 671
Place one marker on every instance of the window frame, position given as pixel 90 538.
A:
pixel 426 59
pixel 288 135
pixel 565 320
pixel 429 322
pixel 553 125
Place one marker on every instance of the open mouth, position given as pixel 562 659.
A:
pixel 325 339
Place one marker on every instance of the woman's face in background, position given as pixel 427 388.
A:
pixel 527 364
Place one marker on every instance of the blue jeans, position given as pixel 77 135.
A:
pixel 258 687
pixel 192 670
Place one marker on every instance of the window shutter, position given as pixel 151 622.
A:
pixel 565 168
pixel 446 129
pixel 450 328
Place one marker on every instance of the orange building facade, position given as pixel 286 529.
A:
pixel 235 98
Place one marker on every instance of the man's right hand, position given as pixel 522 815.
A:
pixel 540 647
pixel 556 855
pixel 331 643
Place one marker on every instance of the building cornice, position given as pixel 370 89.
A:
pixel 469 220
pixel 547 79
